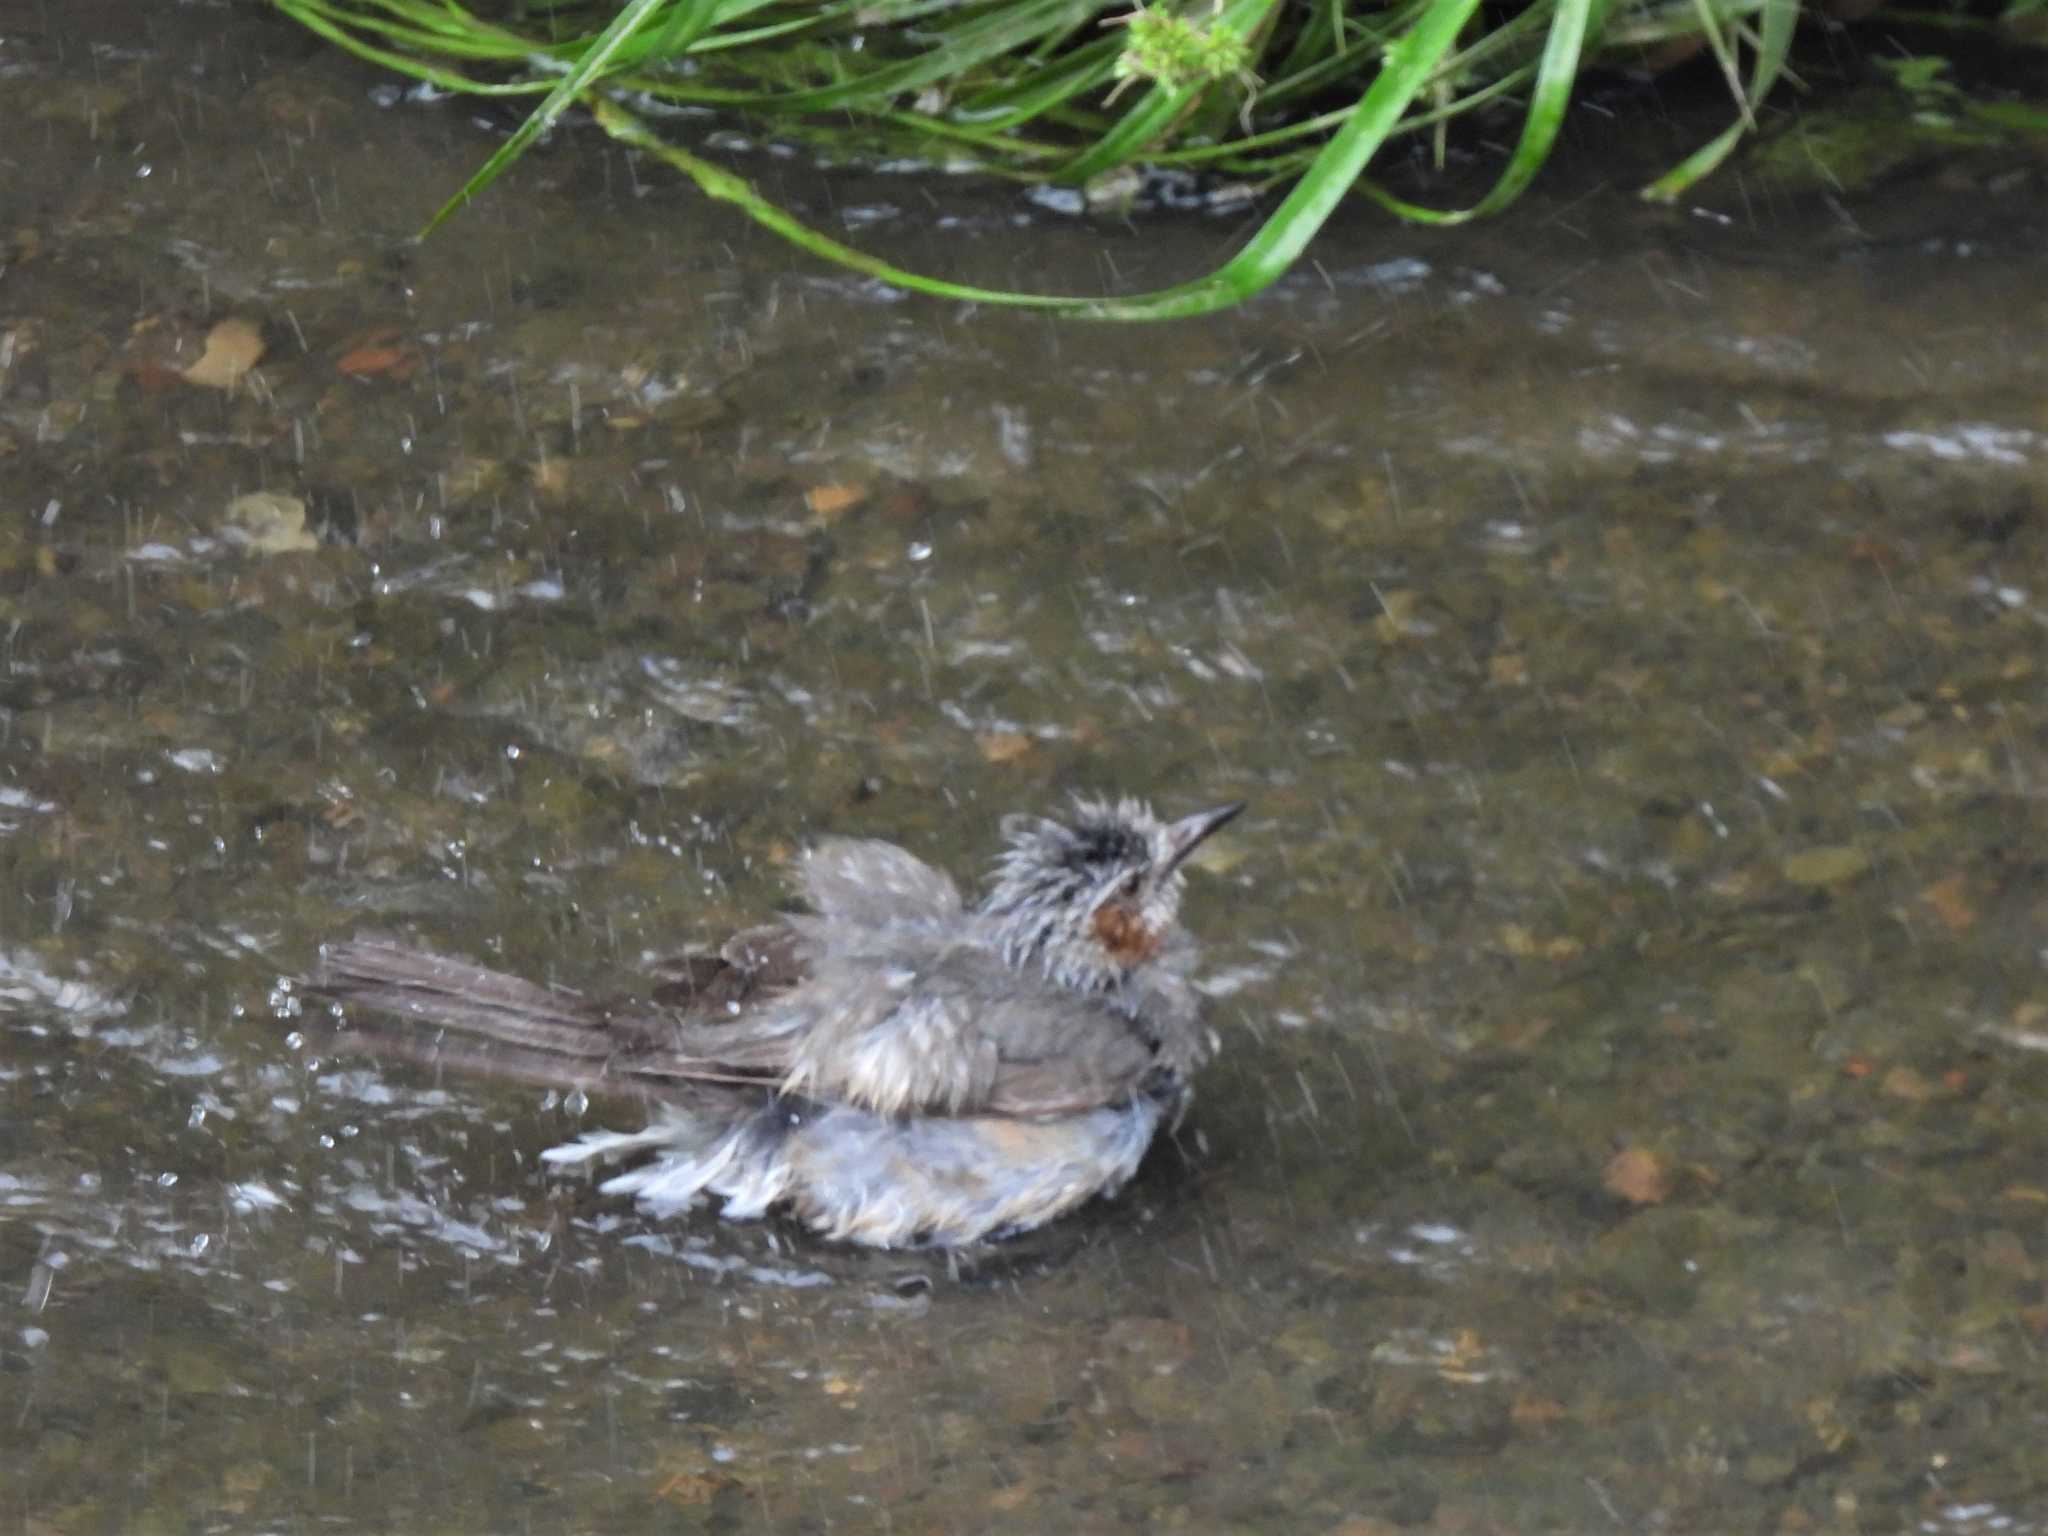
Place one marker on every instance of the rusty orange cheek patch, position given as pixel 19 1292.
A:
pixel 1124 934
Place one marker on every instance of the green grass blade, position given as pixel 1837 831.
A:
pixel 1407 69
pixel 1556 73
pixel 318 18
pixel 1042 90
pixel 960 50
pixel 572 85
pixel 1265 257
pixel 1774 42
pixel 1724 55
pixel 1410 64
pixel 723 185
pixel 1668 187
pixel 1148 120
pixel 2015 116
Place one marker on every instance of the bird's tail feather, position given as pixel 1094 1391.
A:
pixel 441 991
pixel 443 1012
pixel 712 1132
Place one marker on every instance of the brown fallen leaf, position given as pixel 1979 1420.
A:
pixel 232 348
pixel 368 362
pixel 1465 1349
pixel 1637 1175
pixel 832 501
pixel 688 1488
pixel 1003 746
pixel 1905 1083
pixel 1529 1410
pixel 1949 903
pixel 381 354
pixel 551 477
pixel 1520 1032
pixel 268 523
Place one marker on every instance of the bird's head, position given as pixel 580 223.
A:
pixel 1092 899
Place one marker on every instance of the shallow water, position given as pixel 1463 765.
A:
pixel 1627 627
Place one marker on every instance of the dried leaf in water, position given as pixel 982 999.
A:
pixel 1003 746
pixel 381 354
pixel 1905 1083
pixel 1530 1410
pixel 689 1488
pixel 268 523
pixel 232 348
pixel 1638 1175
pixel 1519 1032
pixel 833 501
pixel 1946 897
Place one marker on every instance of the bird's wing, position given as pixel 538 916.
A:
pixel 870 884
pixel 752 967
pixel 957 1031
pixel 904 1022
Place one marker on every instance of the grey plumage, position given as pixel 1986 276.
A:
pixel 896 1066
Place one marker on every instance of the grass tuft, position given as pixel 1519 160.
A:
pixel 1301 94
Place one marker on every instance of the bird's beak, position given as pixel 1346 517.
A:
pixel 1185 835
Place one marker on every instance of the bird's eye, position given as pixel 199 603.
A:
pixel 1132 883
